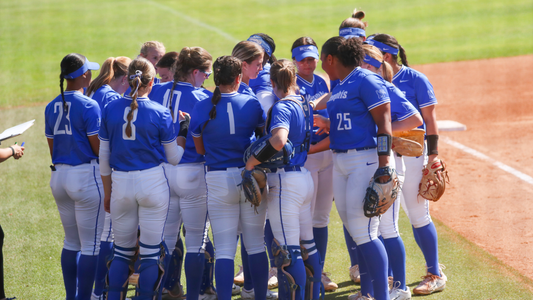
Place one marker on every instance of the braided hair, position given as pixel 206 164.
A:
pixel 226 69
pixel 140 73
pixel 69 64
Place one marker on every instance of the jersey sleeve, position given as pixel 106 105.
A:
pixel 424 92
pixel 373 91
pixel 198 119
pixel 92 117
pixel 281 116
pixel 48 113
pixel 261 115
pixel 401 108
pixel 166 129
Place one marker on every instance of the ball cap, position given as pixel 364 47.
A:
pixel 86 66
pixel 304 51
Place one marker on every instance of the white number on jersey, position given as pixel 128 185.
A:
pixel 175 111
pixel 231 118
pixel 344 121
pixel 58 107
pixel 133 131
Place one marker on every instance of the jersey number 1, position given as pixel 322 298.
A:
pixel 132 124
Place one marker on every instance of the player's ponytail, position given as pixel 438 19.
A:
pixel 403 56
pixel 112 68
pixel 283 74
pixel 61 80
pixel 225 69
pixel 355 21
pixel 140 73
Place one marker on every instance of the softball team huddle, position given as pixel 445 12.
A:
pixel 128 171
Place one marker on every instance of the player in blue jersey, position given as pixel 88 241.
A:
pixel 305 57
pixel 166 65
pixel 72 121
pixel 261 85
pixel 419 91
pixel 222 129
pixel 251 55
pixel 109 85
pixel 291 185
pixel 133 134
pixel 187 180
pixel 359 110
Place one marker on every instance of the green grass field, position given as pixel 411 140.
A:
pixel 35 35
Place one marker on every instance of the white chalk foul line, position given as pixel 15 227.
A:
pixel 498 164
pixel 195 21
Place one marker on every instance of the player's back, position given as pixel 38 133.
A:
pixel 104 95
pixel 70 129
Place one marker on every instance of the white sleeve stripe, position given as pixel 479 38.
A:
pixel 196 135
pixel 92 133
pixel 49 136
pixel 428 104
pixel 102 139
pixel 379 104
pixel 407 116
pixel 279 126
pixel 261 125
pixel 168 142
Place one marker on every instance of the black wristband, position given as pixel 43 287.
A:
pixel 264 152
pixel 12 151
pixel 384 144
pixel 433 144
pixel 184 126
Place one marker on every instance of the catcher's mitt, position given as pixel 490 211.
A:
pixel 253 183
pixel 380 196
pixel 434 179
pixel 409 143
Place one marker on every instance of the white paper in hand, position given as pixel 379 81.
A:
pixel 15 130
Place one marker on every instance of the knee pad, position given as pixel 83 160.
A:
pixel 155 292
pixel 123 254
pixel 174 274
pixel 207 278
pixel 283 257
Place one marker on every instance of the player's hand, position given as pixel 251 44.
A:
pixel 322 123
pixel 107 204
pixel 19 151
pixel 182 116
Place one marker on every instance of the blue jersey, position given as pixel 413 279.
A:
pixel 290 115
pixel 104 95
pixel 184 98
pixel 416 88
pixel 333 83
pixel 245 89
pixel 228 135
pixel 313 91
pixel 352 125
pixel 400 107
pixel 151 128
pixel 70 129
pixel 262 82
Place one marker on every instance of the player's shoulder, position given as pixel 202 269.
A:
pixel 202 93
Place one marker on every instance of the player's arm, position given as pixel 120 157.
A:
pixel 320 103
pixel 105 172
pixel 14 150
pixel 50 146
pixel 95 144
pixel 432 131
pixel 407 124
pixel 275 144
pixel 382 118
pixel 199 145
pixel 323 145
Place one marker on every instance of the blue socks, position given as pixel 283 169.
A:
pixel 396 253
pixel 106 248
pixel 194 270
pixel 375 256
pixel 224 272
pixel 430 247
pixel 260 274
pixel 148 276
pixel 86 272
pixel 248 281
pixel 69 267
pixel 366 279
pixel 118 275
pixel 321 241
pixel 352 247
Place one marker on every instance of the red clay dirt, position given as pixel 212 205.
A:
pixel 485 204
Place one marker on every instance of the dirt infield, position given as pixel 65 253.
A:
pixel 484 203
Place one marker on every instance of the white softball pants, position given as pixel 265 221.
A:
pixel 107 233
pixel 139 198
pixel 352 172
pixel 187 186
pixel 320 165
pixel 388 225
pixel 228 209
pixel 78 193
pixel 289 206
pixel 414 205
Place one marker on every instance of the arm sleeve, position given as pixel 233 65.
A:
pixel 198 120
pixel 167 132
pixel 173 153
pixel 424 92
pixel 48 113
pixel 373 91
pixel 92 117
pixel 105 168
pixel 281 116
pixel 266 99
